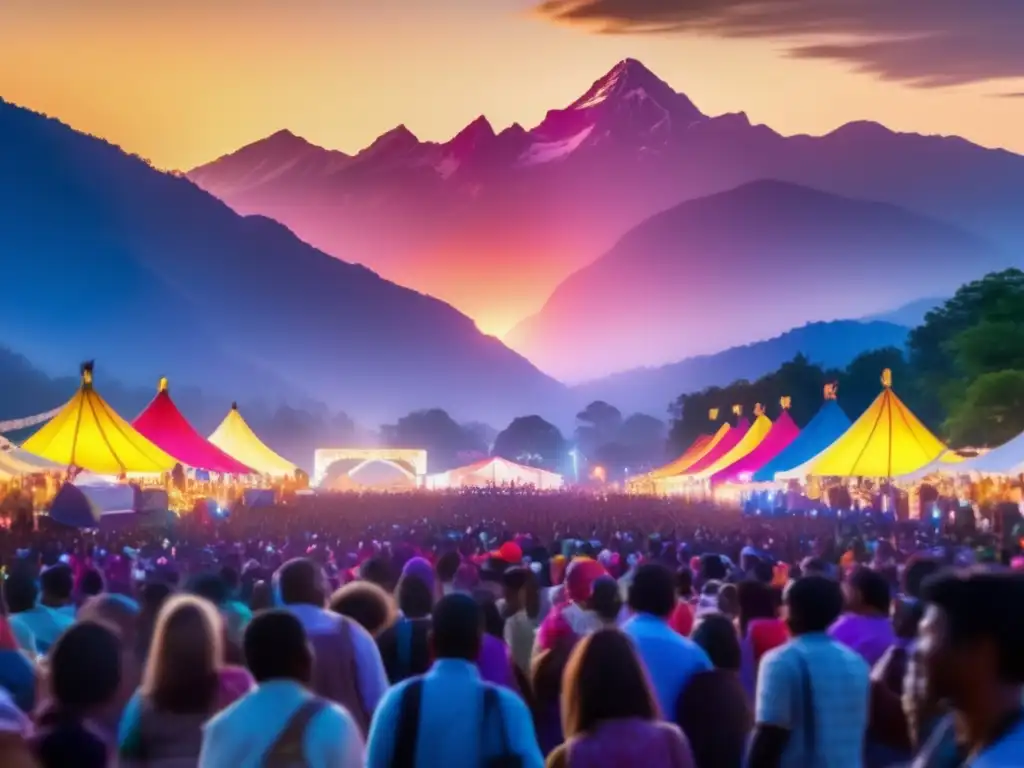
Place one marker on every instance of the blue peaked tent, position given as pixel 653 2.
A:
pixel 827 425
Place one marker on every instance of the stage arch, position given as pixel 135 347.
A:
pixel 404 459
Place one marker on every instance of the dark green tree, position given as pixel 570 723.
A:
pixel 935 347
pixel 861 382
pixel 532 441
pixel 798 379
pixel 991 412
pixel 596 425
pixel 444 440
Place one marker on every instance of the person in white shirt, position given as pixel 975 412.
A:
pixel 812 692
pixel 520 628
pixel 281 719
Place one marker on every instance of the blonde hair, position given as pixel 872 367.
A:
pixel 185 656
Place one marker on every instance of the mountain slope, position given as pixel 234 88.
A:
pixel 910 315
pixel 493 225
pixel 759 259
pixel 831 345
pixel 153 276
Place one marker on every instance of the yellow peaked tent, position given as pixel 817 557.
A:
pixel 886 441
pixel 757 432
pixel 238 441
pixel 87 433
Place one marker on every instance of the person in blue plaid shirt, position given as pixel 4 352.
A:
pixel 812 692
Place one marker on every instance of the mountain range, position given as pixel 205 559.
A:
pixel 753 262
pixel 493 221
pixel 106 258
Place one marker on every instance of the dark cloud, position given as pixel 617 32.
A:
pixel 927 43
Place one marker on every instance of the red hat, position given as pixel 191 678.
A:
pixel 580 577
pixel 509 552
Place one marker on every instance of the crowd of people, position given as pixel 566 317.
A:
pixel 501 627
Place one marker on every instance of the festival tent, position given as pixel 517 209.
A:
pixel 729 441
pixel 820 432
pixel 14 462
pixel 163 424
pixel 700 447
pixel 237 439
pixel 886 441
pixel 782 434
pixel 13 466
pixel 88 434
pixel 685 459
pixel 495 471
pixel 1006 460
pixel 754 436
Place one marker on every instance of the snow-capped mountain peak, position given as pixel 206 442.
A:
pixel 630 103
pixel 629 80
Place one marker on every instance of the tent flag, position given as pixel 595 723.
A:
pixel 89 434
pixel 824 429
pixel 237 439
pixel 783 432
pixel 886 441
pixel 754 437
pixel 163 424
pixel 729 440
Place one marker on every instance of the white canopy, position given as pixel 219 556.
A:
pixel 495 471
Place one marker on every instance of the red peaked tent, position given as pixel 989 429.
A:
pixel 162 423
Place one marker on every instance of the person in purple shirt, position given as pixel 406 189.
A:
pixel 865 626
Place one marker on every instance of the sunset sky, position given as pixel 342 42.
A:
pixel 184 81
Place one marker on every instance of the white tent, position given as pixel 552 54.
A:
pixel 495 471
pixel 15 462
pixel 1007 460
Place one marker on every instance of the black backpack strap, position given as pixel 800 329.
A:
pixel 404 755
pixel 506 758
pixel 810 728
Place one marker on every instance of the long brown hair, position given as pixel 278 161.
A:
pixel 604 680
pixel 185 658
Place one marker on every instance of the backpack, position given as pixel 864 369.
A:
pixel 407 733
pixel 335 672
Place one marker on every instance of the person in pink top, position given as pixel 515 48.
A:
pixel 609 714
pixel 683 615
pixel 573 617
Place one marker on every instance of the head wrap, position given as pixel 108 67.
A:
pixel 420 568
pixel 580 577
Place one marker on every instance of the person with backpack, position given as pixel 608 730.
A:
pixel 281 723
pixel 450 716
pixel 349 669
